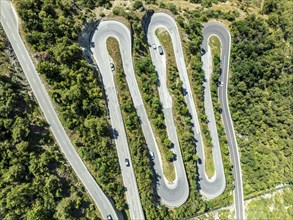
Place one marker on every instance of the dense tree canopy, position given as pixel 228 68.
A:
pixel 51 28
pixel 36 182
pixel 260 97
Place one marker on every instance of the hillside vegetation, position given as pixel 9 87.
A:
pixel 51 29
pixel 35 180
pixel 260 99
pixel 277 205
pixel 260 93
pixel 260 96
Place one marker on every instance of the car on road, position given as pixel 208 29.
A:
pixel 160 50
pixel 222 83
pixel 152 155
pixel 109 217
pixel 220 110
pixel 154 46
pixel 202 51
pixel 112 67
pixel 127 163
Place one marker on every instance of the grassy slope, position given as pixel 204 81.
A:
pixel 113 48
pixel 166 42
pixel 168 167
pixel 215 47
pixel 277 205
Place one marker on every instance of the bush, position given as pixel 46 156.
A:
pixel 116 11
pixel 137 5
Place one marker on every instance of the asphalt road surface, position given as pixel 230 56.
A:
pixel 209 188
pixel 119 31
pixel 218 29
pixel 171 192
pixel 9 23
pixel 211 121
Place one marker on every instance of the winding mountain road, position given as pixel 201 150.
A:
pixel 220 30
pixel 120 32
pixel 172 194
pixel 209 188
pixel 176 193
pixel 9 23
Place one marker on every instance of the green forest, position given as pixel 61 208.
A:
pixel 52 29
pixel 260 96
pixel 35 180
pixel 259 92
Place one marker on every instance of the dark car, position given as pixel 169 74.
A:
pixel 160 50
pixel 202 51
pixel 127 162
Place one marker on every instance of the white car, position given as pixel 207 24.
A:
pixel 152 155
pixel 112 67
pixel 154 46
pixel 222 83
pixel 127 163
